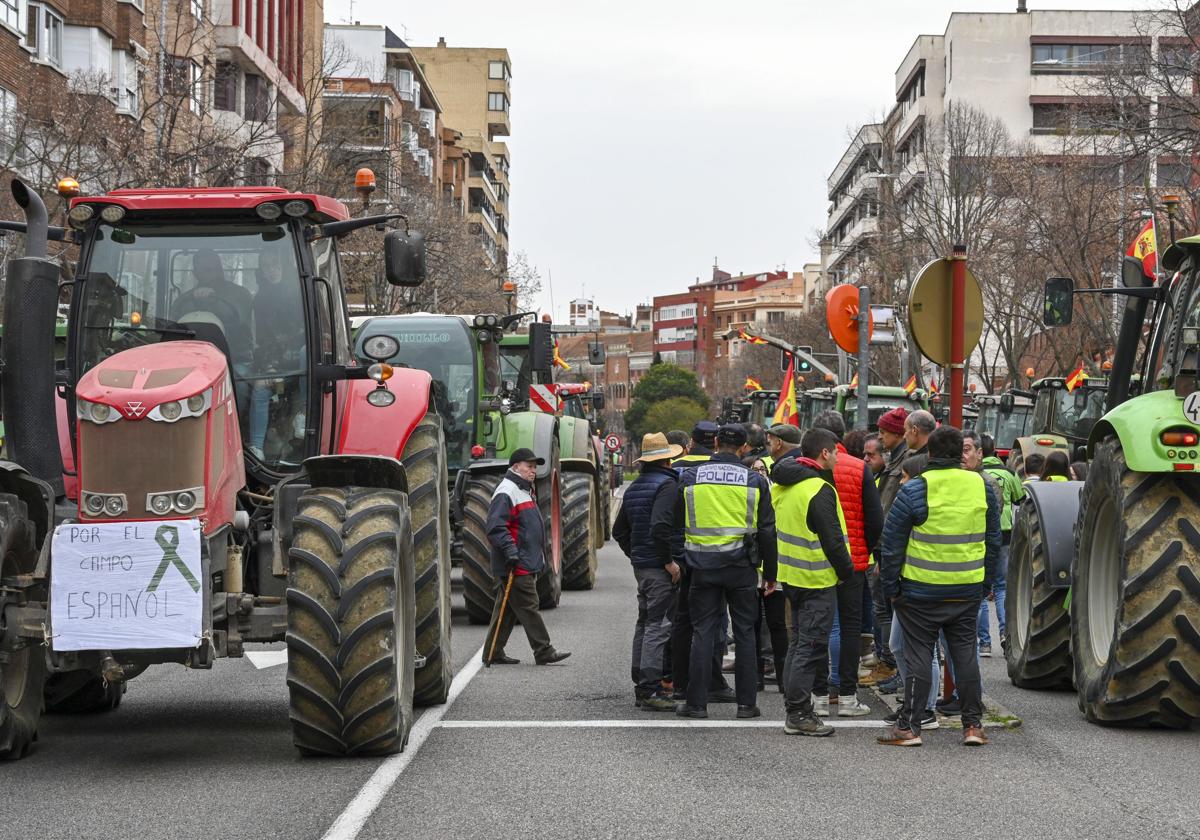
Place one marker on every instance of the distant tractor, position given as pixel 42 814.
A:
pixel 762 407
pixel 1062 419
pixel 812 402
pixel 218 442
pixel 487 416
pixel 1006 417
pixel 880 400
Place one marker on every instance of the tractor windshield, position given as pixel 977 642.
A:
pixel 1069 413
pixel 444 348
pixel 876 408
pixel 1004 428
pixel 237 287
pixel 515 362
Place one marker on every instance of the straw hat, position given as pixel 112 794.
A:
pixel 656 448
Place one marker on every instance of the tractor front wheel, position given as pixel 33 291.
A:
pixel 1135 605
pixel 476 550
pixel 22 661
pixel 581 515
pixel 549 499
pixel 351 634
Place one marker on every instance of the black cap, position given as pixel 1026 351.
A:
pixel 732 434
pixel 704 431
pixel 525 454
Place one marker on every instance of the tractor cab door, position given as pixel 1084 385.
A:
pixel 331 343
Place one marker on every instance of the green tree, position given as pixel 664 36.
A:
pixel 664 383
pixel 675 413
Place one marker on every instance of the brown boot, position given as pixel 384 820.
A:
pixel 973 737
pixel 898 737
pixel 879 673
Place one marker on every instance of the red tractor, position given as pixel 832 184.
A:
pixel 229 474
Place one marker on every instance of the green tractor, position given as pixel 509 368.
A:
pixel 1062 419
pixel 812 402
pixel 586 492
pixel 1104 575
pixel 1003 416
pixel 762 407
pixel 486 416
pixel 880 400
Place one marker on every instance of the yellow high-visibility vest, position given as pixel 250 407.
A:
pixel 802 562
pixel 721 509
pixel 948 548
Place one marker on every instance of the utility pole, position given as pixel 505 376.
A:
pixel 958 298
pixel 864 353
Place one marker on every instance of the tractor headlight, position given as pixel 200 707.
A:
pixel 170 411
pixel 94 504
pixel 381 398
pixel 112 213
pixel 114 505
pixel 175 501
pixel 100 412
pixel 159 503
pixel 195 403
pixel 269 211
pixel 81 214
pixel 506 406
pixel 185 501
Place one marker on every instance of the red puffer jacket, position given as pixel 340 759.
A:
pixel 848 479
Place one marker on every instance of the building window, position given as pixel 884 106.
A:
pixel 43 34
pixel 225 88
pixel 257 172
pixel 258 105
pixel 497 70
pixel 1060 58
pixel 10 13
pixel 497 102
pixel 8 114
pixel 126 82
pixel 198 9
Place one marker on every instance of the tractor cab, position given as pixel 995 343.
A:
pixel 762 407
pixel 1003 416
pixel 880 400
pixel 1066 413
pixel 812 402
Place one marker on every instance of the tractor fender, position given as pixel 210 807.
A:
pixel 584 465
pixel 1029 444
pixel 574 438
pixel 37 495
pixel 345 470
pixel 1139 424
pixel 530 429
pixel 366 429
pixel 1056 504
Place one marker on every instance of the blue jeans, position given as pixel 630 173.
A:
pixel 260 405
pixel 999 588
pixel 896 643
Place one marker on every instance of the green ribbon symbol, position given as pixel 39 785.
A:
pixel 167 538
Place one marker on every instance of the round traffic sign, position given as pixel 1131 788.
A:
pixel 929 312
pixel 612 443
pixel 841 315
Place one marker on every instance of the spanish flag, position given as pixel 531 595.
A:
pixel 752 384
pixel 933 388
pixel 558 360
pixel 1145 248
pixel 753 339
pixel 1076 378
pixel 786 411
pixel 854 381
pixel 911 384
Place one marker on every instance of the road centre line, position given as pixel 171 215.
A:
pixel 351 821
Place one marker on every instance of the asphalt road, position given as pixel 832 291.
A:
pixel 196 754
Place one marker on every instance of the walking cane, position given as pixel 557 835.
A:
pixel 499 620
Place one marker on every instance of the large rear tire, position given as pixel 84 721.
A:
pixel 23 664
pixel 429 502
pixel 549 498
pixel 1039 629
pixel 1016 460
pixel 350 622
pixel 478 590
pixel 581 516
pixel 1135 607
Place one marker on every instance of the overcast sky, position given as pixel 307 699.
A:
pixel 651 137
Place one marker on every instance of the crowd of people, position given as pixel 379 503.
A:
pixel 834 559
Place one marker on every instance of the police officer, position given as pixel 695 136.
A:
pixel 940 546
pixel 701 448
pixel 728 524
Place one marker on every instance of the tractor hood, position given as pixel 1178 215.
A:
pixel 137 383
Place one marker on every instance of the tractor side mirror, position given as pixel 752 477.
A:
pixel 785 359
pixel 596 354
pixel 1133 275
pixel 1007 403
pixel 1081 401
pixel 598 400
pixel 1060 301
pixel 404 258
pixel 541 348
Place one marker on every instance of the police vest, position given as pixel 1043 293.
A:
pixel 802 562
pixel 948 549
pixel 721 510
pixel 690 461
pixel 1055 478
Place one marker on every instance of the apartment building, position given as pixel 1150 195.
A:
pixel 1027 68
pixel 475 89
pixel 628 356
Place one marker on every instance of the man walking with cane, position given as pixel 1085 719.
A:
pixel 517 536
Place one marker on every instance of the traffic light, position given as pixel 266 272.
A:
pixel 803 365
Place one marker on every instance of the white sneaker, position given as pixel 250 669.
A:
pixel 821 706
pixel 850 706
pixel 257 453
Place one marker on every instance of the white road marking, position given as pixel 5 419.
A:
pixel 266 658
pixel 351 821
pixel 649 723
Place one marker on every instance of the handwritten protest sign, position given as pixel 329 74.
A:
pixel 126 585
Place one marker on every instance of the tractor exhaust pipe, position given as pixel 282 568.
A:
pixel 27 350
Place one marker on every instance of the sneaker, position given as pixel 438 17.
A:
pixel 257 452
pixel 892 685
pixel 950 708
pixel 658 702
pixel 850 706
pixel 929 720
pixel 985 651
pixel 821 706
pixel 973 737
pixel 686 711
pixel 725 695
pixel 744 712
pixel 892 717
pixel 798 724
pixel 878 674
pixel 1004 643
pixel 900 738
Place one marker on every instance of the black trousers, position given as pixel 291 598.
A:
pixel 849 616
pixel 883 616
pixel 807 670
pixel 681 640
pixel 920 622
pixel 711 589
pixel 773 614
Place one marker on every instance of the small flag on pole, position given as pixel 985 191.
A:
pixel 558 360
pixel 753 339
pixel 1145 248
pixel 933 389
pixel 854 381
pixel 752 384
pixel 911 384
pixel 787 411
pixel 1076 378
